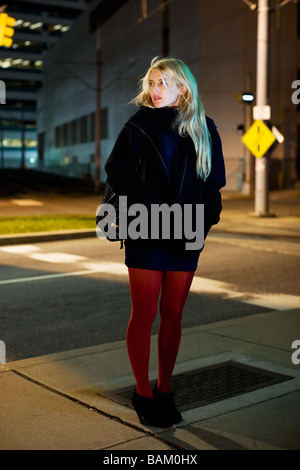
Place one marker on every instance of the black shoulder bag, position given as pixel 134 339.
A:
pixel 111 197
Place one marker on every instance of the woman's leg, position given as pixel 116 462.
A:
pixel 175 289
pixel 145 286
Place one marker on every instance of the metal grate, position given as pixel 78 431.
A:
pixel 210 384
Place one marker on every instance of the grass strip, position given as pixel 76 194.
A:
pixel 45 223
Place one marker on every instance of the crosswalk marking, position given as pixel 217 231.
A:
pixel 200 285
pixel 57 257
pixel 44 277
pixel 229 291
pixel 20 249
pixel 27 202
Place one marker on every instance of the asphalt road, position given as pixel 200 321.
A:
pixel 64 295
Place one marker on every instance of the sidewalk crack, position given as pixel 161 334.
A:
pixel 152 434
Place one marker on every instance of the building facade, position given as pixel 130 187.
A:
pixel 91 75
pixel 38 27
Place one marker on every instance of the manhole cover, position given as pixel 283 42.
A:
pixel 210 384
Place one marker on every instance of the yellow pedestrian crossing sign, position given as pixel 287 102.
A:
pixel 258 139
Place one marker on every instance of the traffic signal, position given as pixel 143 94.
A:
pixel 6 30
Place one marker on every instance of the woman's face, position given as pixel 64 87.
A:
pixel 160 95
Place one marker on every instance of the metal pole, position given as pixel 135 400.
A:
pixel 261 177
pixel 98 114
pixel 248 187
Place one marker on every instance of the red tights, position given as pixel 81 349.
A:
pixel 145 287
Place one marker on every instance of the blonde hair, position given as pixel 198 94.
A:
pixel 191 116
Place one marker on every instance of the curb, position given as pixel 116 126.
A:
pixel 40 237
pixel 15 239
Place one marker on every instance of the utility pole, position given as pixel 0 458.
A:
pixel 262 110
pixel 248 186
pixel 98 113
pixel 261 164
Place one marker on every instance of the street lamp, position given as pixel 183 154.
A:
pixel 247 97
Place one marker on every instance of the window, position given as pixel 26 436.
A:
pixel 103 123
pixel 57 138
pixel 65 135
pixel 81 130
pixel 74 132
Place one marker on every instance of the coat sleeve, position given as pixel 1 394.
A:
pixel 214 182
pixel 121 168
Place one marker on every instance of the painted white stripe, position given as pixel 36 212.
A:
pixel 210 286
pixel 36 253
pixel 91 268
pixel 274 301
pixel 20 249
pixel 57 257
pixel 27 202
pixel 107 267
pixel 281 248
pixel 279 301
pixel 45 277
pixel 200 285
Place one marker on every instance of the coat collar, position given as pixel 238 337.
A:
pixel 155 127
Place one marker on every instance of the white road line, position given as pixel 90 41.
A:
pixel 36 253
pixel 200 285
pixel 279 301
pixel 57 257
pixel 20 249
pixel 27 202
pixel 274 301
pixel 91 268
pixel 210 286
pixel 279 247
pixel 45 277
pixel 107 267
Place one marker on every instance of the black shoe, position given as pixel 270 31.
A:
pixel 166 401
pixel 149 411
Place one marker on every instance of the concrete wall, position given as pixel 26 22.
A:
pixel 217 39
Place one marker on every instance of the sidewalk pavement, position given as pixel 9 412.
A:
pixel 59 401
pixel 55 401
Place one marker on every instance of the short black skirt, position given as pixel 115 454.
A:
pixel 160 255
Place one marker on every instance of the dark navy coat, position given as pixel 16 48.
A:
pixel 167 161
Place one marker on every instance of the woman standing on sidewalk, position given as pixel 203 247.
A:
pixel 182 162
